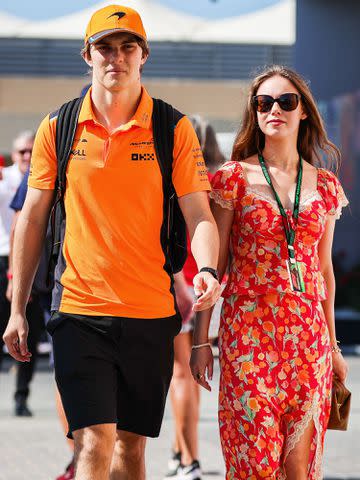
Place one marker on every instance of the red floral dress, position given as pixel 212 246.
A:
pixel 275 355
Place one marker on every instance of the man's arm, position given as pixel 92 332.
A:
pixel 204 246
pixel 28 240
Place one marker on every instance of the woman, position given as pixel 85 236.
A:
pixel 275 210
pixel 184 393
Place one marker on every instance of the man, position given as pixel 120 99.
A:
pixel 115 317
pixel 11 178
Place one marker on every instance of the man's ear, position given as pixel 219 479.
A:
pixel 144 57
pixel 87 57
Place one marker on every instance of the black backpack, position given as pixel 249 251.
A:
pixel 173 231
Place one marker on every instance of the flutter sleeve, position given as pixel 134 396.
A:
pixel 333 193
pixel 227 185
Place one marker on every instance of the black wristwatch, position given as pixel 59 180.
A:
pixel 213 272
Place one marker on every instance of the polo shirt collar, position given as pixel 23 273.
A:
pixel 86 111
pixel 141 118
pixel 143 113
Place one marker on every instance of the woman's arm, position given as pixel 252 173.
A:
pixel 340 367
pixel 202 358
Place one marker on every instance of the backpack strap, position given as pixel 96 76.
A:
pixel 66 124
pixel 173 230
pixel 163 120
pixel 65 133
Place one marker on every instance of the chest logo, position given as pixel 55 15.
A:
pixel 78 154
pixel 142 157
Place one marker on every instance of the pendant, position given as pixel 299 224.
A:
pixel 295 275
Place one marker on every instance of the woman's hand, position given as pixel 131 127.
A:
pixel 340 367
pixel 201 365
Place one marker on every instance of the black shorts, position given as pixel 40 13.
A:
pixel 113 369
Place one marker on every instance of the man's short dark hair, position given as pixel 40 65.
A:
pixel 142 44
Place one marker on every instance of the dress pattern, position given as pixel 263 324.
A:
pixel 275 353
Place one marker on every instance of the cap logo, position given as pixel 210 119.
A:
pixel 118 14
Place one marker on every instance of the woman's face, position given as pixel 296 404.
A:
pixel 278 123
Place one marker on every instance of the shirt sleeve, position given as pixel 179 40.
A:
pixel 336 199
pixel 19 198
pixel 225 184
pixel 189 169
pixel 43 168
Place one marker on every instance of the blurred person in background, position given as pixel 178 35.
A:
pixel 2 165
pixel 276 210
pixel 184 392
pixel 11 178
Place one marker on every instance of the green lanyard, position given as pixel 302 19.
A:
pixel 289 231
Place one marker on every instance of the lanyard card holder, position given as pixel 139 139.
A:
pixel 295 275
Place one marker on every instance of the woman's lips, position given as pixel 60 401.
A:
pixel 276 122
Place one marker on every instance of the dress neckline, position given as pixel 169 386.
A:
pixel 312 194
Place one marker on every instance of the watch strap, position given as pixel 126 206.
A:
pixel 210 270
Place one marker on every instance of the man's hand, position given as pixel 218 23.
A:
pixel 15 338
pixel 207 289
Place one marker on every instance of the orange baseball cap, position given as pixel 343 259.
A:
pixel 112 19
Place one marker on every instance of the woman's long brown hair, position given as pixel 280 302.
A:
pixel 312 143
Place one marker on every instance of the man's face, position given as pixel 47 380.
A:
pixel 21 154
pixel 116 61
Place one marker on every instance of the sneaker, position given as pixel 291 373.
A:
pixel 188 472
pixel 173 464
pixel 69 473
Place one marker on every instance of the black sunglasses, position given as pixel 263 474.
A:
pixel 25 150
pixel 287 102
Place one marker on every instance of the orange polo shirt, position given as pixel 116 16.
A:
pixel 112 255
